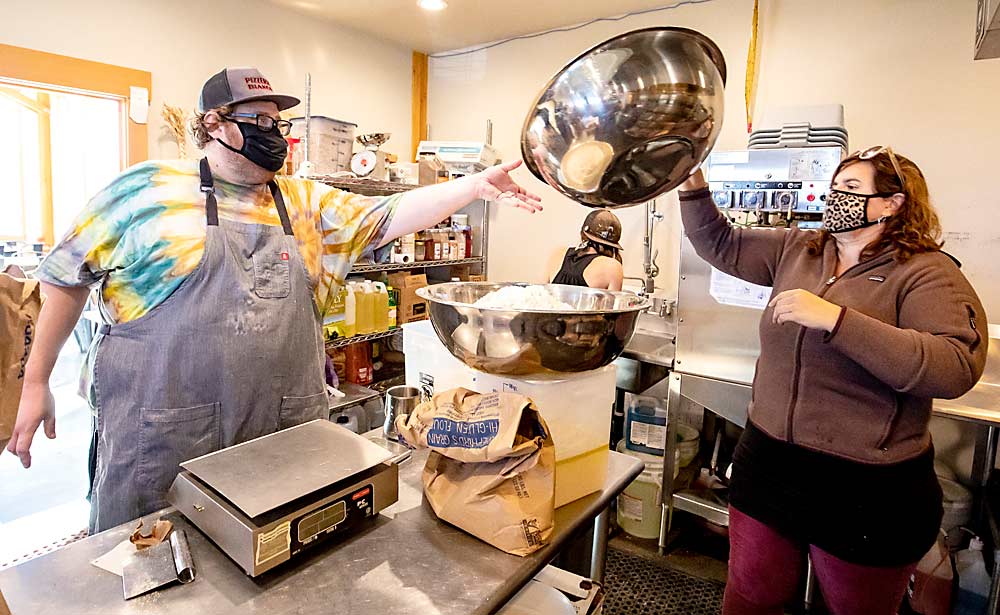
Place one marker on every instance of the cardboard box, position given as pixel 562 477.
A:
pixel 477 278
pixel 411 308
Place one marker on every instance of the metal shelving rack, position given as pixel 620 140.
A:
pixel 415 265
pixel 370 187
pixel 354 339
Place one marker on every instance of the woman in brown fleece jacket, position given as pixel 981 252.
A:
pixel 868 322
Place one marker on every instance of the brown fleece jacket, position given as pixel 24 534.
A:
pixel 908 332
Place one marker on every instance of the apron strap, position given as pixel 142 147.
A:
pixel 212 206
pixel 279 202
pixel 208 187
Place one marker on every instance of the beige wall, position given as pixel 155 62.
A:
pixel 355 76
pixel 903 70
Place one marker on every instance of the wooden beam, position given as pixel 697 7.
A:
pixel 25 101
pixel 419 103
pixel 45 170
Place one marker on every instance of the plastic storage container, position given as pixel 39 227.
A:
pixel 331 143
pixel 973 580
pixel 576 407
pixel 957 504
pixel 639 506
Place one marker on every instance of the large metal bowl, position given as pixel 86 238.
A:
pixel 531 342
pixel 629 119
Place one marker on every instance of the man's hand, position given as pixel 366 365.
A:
pixel 495 184
pixel 37 406
pixel 804 308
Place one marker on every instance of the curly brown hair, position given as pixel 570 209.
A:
pixel 197 125
pixel 914 228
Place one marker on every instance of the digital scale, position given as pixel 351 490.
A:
pixel 265 501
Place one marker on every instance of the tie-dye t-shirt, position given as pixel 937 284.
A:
pixel 145 233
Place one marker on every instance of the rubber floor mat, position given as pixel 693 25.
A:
pixel 639 585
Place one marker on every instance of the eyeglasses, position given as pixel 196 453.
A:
pixel 265 123
pixel 871 152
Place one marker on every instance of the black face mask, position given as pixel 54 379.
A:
pixel 267 150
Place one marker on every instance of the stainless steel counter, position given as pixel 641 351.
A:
pixel 407 562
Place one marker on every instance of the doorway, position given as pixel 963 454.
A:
pixel 69 134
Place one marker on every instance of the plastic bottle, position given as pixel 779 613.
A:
pixel 973 580
pixel 366 313
pixel 393 305
pixel 350 311
pixel 381 308
pixel 462 244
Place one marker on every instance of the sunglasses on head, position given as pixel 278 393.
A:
pixel 871 152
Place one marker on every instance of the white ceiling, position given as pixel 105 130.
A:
pixel 464 23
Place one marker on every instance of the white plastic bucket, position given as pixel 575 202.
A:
pixel 639 506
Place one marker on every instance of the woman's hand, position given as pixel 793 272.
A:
pixel 495 184
pixel 804 308
pixel 695 181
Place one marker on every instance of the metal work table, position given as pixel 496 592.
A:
pixel 406 562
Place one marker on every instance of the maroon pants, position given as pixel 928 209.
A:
pixel 765 569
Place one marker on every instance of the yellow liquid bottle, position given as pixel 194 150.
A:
pixel 381 307
pixel 350 312
pixel 366 305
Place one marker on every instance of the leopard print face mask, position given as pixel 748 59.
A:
pixel 848 211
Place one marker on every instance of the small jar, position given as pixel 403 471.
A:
pixel 419 250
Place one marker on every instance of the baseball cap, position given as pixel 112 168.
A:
pixel 603 227
pixel 232 86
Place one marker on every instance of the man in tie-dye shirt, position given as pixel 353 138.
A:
pixel 211 289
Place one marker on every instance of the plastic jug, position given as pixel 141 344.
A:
pixel 381 307
pixel 350 311
pixel 973 580
pixel 366 301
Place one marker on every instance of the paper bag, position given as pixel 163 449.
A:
pixel 20 302
pixel 491 471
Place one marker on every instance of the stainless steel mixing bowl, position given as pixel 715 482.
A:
pixel 530 342
pixel 629 119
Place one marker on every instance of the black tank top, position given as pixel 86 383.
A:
pixel 573 266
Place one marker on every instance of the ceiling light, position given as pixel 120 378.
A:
pixel 432 5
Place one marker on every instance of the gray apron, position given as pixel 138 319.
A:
pixel 235 353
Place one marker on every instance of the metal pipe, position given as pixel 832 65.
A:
pixel 305 139
pixel 649 266
pixel 599 553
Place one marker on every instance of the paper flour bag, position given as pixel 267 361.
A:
pixel 20 302
pixel 491 471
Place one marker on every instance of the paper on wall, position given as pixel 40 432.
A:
pixel 729 290
pixel 138 104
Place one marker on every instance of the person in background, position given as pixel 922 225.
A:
pixel 597 261
pixel 214 276
pixel 868 322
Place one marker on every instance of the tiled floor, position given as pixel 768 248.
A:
pixel 46 504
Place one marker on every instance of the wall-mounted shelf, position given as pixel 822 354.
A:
pixel 476 260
